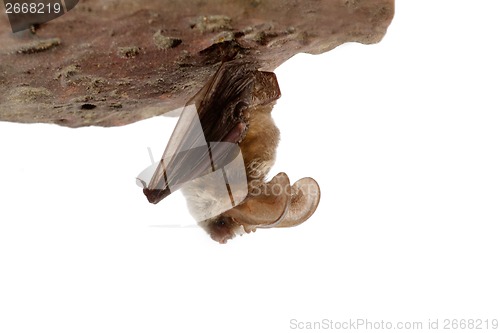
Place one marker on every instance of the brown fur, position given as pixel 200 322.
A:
pixel 259 145
pixel 258 148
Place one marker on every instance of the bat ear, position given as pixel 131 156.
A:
pixel 305 198
pixel 266 206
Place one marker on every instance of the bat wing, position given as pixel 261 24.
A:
pixel 210 127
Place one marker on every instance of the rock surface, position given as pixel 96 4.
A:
pixel 114 62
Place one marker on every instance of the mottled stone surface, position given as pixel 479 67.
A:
pixel 113 62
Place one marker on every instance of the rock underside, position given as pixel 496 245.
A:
pixel 114 62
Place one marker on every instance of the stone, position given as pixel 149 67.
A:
pixel 129 60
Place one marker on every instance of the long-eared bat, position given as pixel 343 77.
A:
pixel 220 153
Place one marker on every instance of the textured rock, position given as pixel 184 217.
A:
pixel 114 62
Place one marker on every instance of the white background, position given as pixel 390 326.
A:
pixel 403 138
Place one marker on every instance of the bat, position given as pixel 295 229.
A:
pixel 220 153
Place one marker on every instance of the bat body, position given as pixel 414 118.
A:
pixel 229 120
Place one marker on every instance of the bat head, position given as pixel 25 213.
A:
pixel 222 228
pixel 275 204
